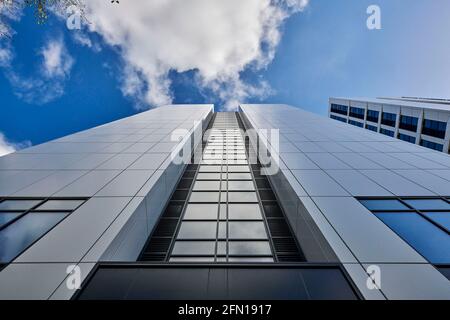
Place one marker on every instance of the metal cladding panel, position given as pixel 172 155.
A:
pixel 124 167
pixel 334 164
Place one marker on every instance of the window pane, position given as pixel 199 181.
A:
pixel 221 248
pixel 207 186
pixel 66 205
pixel 238 169
pixel 249 248
pixel 201 212
pixel 251 260
pixel 19 235
pixel 428 204
pixel 210 169
pixel 239 176
pixel 430 241
pixel 6 217
pixel 242 197
pixel 247 230
pixel 191 259
pixel 222 232
pixel 18 204
pixel 241 185
pixel 441 218
pixel 194 248
pixel 244 212
pixel 384 205
pixel 204 197
pixel 208 176
pixel 197 230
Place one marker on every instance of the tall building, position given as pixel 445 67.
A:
pixel 420 121
pixel 181 202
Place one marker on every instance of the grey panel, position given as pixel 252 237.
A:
pixel 431 182
pixel 373 242
pixel 89 184
pixel 327 161
pixel 357 184
pixel 318 183
pixel 413 282
pixel 396 184
pixel 21 180
pixel 53 183
pixel 70 240
pixel 128 183
pixel 119 162
pixel 149 161
pixel 298 161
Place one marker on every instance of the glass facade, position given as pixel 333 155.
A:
pixel 406 138
pixel 356 123
pixel 434 128
pixel 408 123
pixel 389 119
pixel 24 221
pixel 357 113
pixel 371 128
pixel 338 118
pixel 340 109
pixel 432 145
pixel 424 223
pixel 373 116
pixel 386 132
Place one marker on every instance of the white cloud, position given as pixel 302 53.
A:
pixel 57 62
pixel 53 70
pixel 7 147
pixel 216 38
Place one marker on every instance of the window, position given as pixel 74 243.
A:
pixel 423 223
pixel 357 113
pixel 371 128
pixel 356 123
pixel 197 230
pixel 432 145
pixel 201 211
pixel 244 211
pixel 387 132
pixel 373 116
pixel 389 119
pixel 434 128
pixel 24 221
pixel 406 138
pixel 247 230
pixel 249 248
pixel 338 118
pixel 340 109
pixel 408 123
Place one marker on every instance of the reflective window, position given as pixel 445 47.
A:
pixel 373 115
pixel 408 123
pixel 432 145
pixel 204 197
pixel 18 236
pixel 428 204
pixel 249 248
pixel 206 185
pixel 387 132
pixel 389 119
pixel 208 176
pixel 242 197
pixel 332 116
pixel 194 248
pixel 357 113
pixel 65 205
pixel 244 211
pixel 429 240
pixel 340 109
pixel 201 212
pixel 377 205
pixel 18 204
pixel 210 169
pixel 406 138
pixel 440 218
pixel 6 217
pixel 197 230
pixel 238 169
pixel 356 123
pixel 434 128
pixel 239 176
pixel 371 128
pixel 247 230
pixel 241 186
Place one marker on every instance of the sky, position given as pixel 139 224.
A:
pixel 141 54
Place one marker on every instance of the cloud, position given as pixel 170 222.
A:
pixel 7 147
pixel 215 38
pixel 48 82
pixel 57 62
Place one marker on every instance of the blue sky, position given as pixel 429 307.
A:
pixel 324 50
